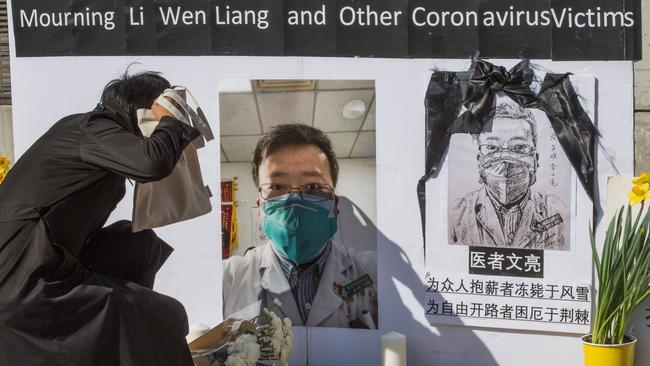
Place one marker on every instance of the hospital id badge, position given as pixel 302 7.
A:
pixel 353 288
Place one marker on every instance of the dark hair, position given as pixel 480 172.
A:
pixel 515 111
pixel 293 134
pixel 132 92
pixel 508 110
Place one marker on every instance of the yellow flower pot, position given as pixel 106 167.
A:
pixel 608 354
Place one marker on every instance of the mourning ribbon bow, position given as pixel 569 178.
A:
pixel 486 81
pixel 477 89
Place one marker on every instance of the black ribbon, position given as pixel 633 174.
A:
pixel 477 89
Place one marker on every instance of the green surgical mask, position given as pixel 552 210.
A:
pixel 299 226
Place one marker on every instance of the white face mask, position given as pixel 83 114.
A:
pixel 182 111
pixel 178 113
pixel 146 121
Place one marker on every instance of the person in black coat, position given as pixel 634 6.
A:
pixel 73 292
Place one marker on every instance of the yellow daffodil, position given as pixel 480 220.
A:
pixel 639 193
pixel 2 175
pixel 4 162
pixel 642 179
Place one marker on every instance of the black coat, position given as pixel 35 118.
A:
pixel 54 309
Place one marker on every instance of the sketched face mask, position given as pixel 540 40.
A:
pixel 299 227
pixel 507 176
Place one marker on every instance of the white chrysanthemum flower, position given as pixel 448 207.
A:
pixel 277 341
pixel 287 343
pixel 252 353
pixel 284 357
pixel 235 360
pixel 241 343
pixel 288 323
pixel 244 348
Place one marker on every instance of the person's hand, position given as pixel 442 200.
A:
pixel 159 111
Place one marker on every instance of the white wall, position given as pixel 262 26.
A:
pixel 357 183
pixel 193 274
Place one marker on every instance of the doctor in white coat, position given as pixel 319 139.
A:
pixel 317 281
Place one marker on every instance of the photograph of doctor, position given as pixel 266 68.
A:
pixel 318 281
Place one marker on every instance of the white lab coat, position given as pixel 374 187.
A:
pixel 258 276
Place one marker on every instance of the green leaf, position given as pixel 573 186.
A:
pixel 622 271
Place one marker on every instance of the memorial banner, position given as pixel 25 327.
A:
pixel 546 29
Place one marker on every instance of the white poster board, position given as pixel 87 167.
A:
pixel 480 277
pixel 46 89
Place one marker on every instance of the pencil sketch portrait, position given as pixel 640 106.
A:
pixel 508 203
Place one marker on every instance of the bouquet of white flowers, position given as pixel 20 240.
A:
pixel 232 343
pixel 251 335
pixel 287 342
pixel 244 351
pixel 275 335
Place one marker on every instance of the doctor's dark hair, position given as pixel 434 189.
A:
pixel 508 110
pixel 515 111
pixel 293 134
pixel 132 92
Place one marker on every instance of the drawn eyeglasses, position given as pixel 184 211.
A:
pixel 521 149
pixel 310 191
